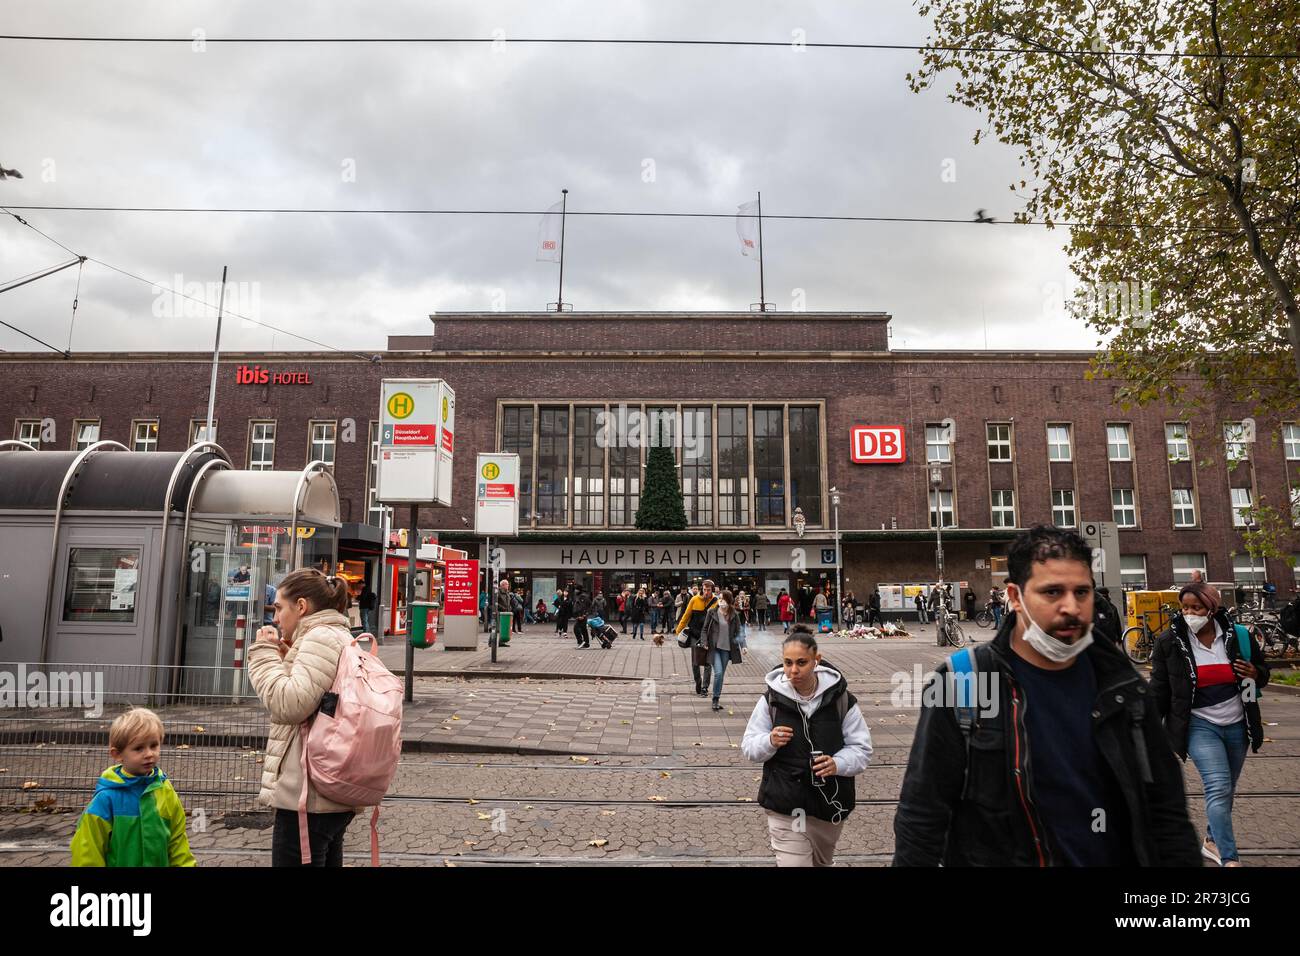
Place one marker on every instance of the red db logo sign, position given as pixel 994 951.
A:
pixel 878 444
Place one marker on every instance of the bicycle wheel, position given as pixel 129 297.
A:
pixel 1137 644
pixel 984 618
pixel 956 636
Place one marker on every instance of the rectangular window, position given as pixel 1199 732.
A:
pixel 624 465
pixel 1247 569
pixel 999 441
pixel 102 585
pixel 1185 564
pixel 938 443
pixel 198 427
pixel 374 510
pixel 29 432
pixel 517 437
pixel 1295 506
pixel 944 499
pixel 1122 507
pixel 1133 572
pixel 553 465
pixel 1004 508
pixel 697 466
pixel 805 462
pixel 1058 443
pixel 144 436
pixel 733 465
pixel 1184 508
pixel 588 467
pixel 323 435
pixel 1291 441
pixel 85 434
pixel 1177 444
pixel 1234 441
pixel 769 466
pixel 1240 507
pixel 261 446
pixel 1118 445
pixel 1063 509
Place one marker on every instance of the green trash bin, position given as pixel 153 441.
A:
pixel 504 619
pixel 423 628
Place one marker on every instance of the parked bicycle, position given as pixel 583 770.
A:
pixel 984 617
pixel 1140 639
pixel 950 632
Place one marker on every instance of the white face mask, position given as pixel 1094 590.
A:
pixel 1050 647
pixel 1195 622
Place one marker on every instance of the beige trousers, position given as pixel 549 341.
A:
pixel 814 846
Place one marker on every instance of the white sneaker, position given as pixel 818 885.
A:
pixel 1211 852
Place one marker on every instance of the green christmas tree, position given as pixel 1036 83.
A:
pixel 661 503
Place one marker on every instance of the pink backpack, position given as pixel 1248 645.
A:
pixel 351 757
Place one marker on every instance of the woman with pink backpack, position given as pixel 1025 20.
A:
pixel 313 703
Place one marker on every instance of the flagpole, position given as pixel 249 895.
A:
pixel 762 297
pixel 564 206
pixel 216 352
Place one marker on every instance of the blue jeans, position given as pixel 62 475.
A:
pixel 654 619
pixel 718 660
pixel 638 628
pixel 1218 753
pixel 997 617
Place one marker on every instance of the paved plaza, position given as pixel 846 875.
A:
pixel 555 755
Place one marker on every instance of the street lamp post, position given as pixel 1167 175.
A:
pixel 936 478
pixel 839 596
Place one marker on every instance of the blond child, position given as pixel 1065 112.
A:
pixel 135 817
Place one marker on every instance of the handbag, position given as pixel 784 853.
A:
pixel 691 636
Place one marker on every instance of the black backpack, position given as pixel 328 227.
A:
pixel 1290 617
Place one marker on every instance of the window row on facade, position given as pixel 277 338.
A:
pixel 739 465
pixel 1246 570
pixel 1237 440
pixel 322 437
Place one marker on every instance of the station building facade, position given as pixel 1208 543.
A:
pixel 771 417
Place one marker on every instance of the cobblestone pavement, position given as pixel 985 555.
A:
pixel 589 768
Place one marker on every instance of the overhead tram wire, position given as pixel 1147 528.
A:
pixel 634 41
pixel 792 217
pixel 161 285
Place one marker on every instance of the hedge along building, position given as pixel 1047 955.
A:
pixel 763 410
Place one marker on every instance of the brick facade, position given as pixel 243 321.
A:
pixel 493 358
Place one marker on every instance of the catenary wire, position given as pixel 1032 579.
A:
pixel 646 41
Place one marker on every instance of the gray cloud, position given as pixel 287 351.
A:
pixel 823 132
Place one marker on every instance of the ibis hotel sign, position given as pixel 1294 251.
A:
pixel 417 432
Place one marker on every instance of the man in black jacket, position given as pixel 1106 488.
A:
pixel 1063 761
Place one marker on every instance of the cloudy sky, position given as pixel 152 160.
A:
pixel 476 127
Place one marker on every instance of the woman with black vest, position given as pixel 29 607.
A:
pixel 810 737
pixel 1206 677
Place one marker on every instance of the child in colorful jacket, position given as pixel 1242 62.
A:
pixel 135 817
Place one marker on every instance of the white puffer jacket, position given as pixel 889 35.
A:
pixel 291 689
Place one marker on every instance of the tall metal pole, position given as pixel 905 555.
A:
pixel 839 561
pixel 564 207
pixel 216 351
pixel 385 524
pixel 413 542
pixel 762 296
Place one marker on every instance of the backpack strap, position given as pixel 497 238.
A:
pixel 304 841
pixel 964 673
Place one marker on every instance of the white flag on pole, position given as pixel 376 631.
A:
pixel 747 228
pixel 548 235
